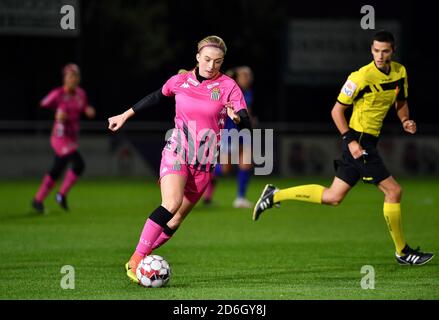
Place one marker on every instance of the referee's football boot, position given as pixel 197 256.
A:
pixel 265 201
pixel 413 257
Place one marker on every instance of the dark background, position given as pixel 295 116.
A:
pixel 127 49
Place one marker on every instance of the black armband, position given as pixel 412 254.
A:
pixel 150 100
pixel 349 136
pixel 245 120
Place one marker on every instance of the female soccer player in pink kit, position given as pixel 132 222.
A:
pixel 204 97
pixel 68 102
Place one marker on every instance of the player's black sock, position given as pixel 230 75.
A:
pixel 161 216
pixel 168 231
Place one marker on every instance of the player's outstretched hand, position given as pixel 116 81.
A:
pixel 90 112
pixel 409 126
pixel 231 113
pixel 116 122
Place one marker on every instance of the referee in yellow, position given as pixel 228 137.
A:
pixel 372 91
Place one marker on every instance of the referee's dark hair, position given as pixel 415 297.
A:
pixel 385 36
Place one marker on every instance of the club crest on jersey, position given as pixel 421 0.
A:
pixel 215 94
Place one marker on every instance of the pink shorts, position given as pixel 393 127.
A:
pixel 196 180
pixel 63 146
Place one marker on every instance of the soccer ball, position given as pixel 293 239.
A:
pixel 153 271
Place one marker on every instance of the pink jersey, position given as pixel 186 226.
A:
pixel 200 114
pixel 68 108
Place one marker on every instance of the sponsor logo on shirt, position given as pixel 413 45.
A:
pixel 212 85
pixel 184 85
pixel 193 82
pixel 349 88
pixel 215 94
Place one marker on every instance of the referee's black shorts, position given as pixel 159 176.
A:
pixel 370 168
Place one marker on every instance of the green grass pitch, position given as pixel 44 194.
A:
pixel 301 251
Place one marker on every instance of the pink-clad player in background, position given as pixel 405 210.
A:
pixel 68 102
pixel 204 97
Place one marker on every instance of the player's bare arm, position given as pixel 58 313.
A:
pixel 402 110
pixel 240 118
pixel 232 114
pixel 341 123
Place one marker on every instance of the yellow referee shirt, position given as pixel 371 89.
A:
pixel 372 92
